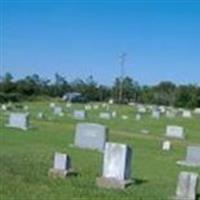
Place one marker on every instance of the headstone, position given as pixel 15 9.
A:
pixel 162 109
pixel 52 105
pixel 95 107
pixel 124 117
pixel 79 114
pixel 68 105
pixel 138 117
pixel 175 132
pixel 40 115
pixel 114 114
pixel 116 166
pixel 187 186
pixel 88 107
pixel 111 101
pixel 156 114
pixel 58 111
pixel 105 115
pixel 187 114
pixel 91 136
pixel 142 109
pixel 61 167
pixel 170 114
pixel 145 131
pixel 192 157
pixel 18 120
pixel 197 111
pixel 26 108
pixel 166 146
pixel 3 107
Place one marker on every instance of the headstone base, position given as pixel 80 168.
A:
pixel 112 183
pixel 188 164
pixel 15 127
pixel 55 173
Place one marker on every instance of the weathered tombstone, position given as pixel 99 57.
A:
pixel 166 146
pixel 175 132
pixel 187 114
pixel 79 114
pixel 187 186
pixel 105 115
pixel 61 167
pixel 116 166
pixel 192 157
pixel 18 120
pixel 162 109
pixel 156 114
pixel 138 117
pixel 91 136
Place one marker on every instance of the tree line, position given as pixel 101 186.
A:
pixel 164 93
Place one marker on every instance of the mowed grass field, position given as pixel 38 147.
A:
pixel 26 156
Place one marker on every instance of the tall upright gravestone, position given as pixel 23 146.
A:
pixel 192 157
pixel 91 136
pixel 116 166
pixel 187 186
pixel 18 120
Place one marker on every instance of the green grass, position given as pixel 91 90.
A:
pixel 26 156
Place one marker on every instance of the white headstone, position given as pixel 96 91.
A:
pixel 18 120
pixel 187 114
pixel 197 111
pixel 156 114
pixel 57 111
pixel 52 105
pixel 124 117
pixel 138 117
pixel 61 161
pixel 114 114
pixel 187 186
pixel 192 157
pixel 117 161
pixel 175 132
pixel 105 115
pixel 79 114
pixel 166 146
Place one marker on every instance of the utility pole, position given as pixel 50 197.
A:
pixel 122 62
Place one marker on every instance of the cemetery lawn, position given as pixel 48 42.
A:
pixel 26 156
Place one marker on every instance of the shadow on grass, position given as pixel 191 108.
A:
pixel 139 181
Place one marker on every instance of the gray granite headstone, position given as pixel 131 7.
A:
pixel 18 120
pixel 91 136
pixel 175 132
pixel 61 161
pixel 79 114
pixel 116 166
pixel 187 186
pixel 105 115
pixel 155 114
pixel 192 157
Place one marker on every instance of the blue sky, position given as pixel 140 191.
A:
pixel 82 38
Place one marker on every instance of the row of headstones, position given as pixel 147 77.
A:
pixel 116 171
